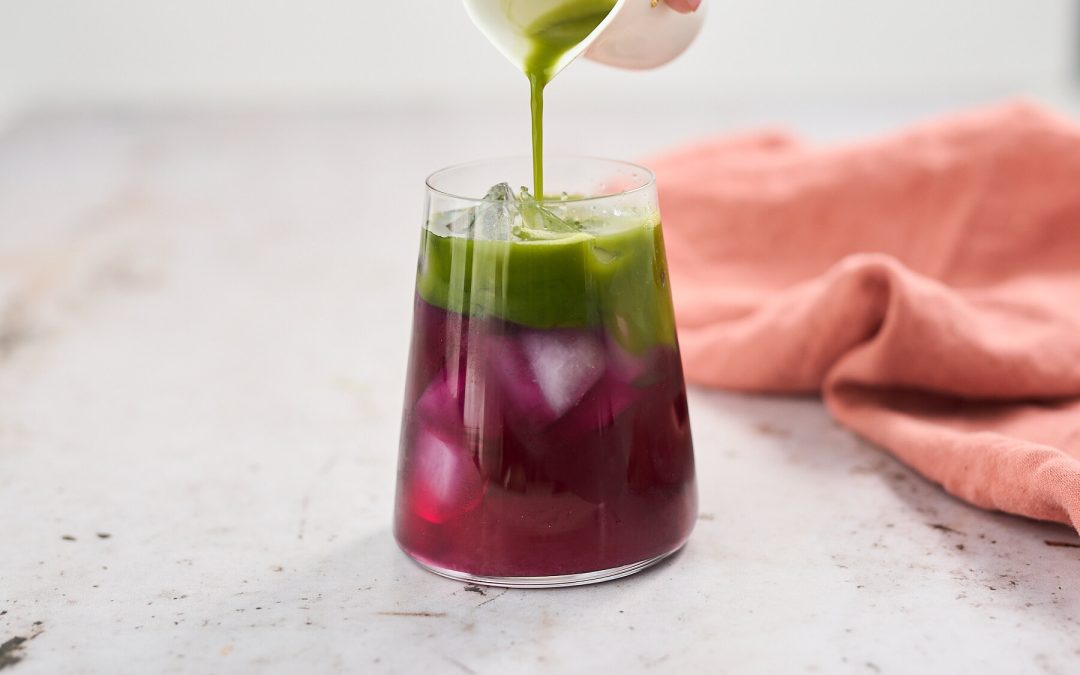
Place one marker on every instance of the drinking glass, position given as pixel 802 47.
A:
pixel 545 438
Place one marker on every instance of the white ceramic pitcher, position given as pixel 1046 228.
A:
pixel 636 34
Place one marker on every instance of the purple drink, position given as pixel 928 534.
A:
pixel 545 430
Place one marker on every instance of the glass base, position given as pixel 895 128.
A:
pixel 557 581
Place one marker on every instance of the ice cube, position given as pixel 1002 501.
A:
pixel 459 221
pixel 565 363
pixel 494 217
pixel 463 404
pixel 542 374
pixel 508 367
pixel 440 406
pixel 540 222
pixel 443 480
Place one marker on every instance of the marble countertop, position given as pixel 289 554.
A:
pixel 203 324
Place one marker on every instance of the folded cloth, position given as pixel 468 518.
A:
pixel 928 284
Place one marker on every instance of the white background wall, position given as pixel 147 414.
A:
pixel 197 52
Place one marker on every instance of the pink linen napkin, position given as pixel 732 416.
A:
pixel 927 284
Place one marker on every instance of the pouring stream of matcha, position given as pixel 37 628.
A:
pixel 540 38
pixel 550 37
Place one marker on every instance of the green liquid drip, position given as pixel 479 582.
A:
pixel 551 37
pixel 536 105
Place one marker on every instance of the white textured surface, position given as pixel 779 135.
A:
pixel 203 325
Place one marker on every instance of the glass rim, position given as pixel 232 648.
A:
pixel 648 182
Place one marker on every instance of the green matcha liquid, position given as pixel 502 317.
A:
pixel 551 36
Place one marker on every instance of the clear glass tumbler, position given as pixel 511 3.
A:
pixel 545 439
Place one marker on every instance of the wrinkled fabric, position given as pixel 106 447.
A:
pixel 927 284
